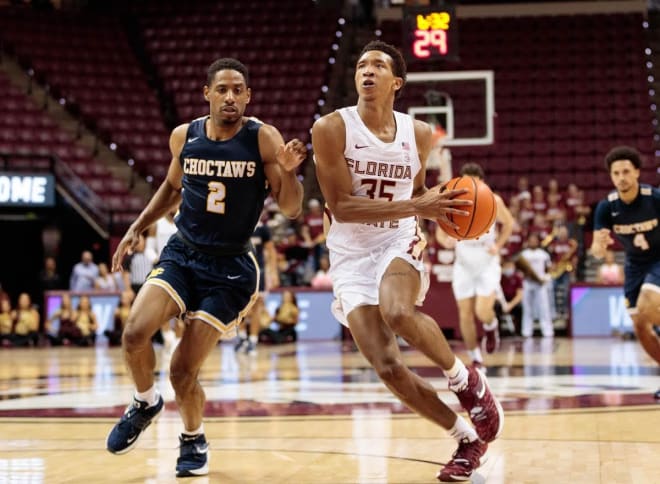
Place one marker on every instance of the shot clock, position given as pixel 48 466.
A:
pixel 430 33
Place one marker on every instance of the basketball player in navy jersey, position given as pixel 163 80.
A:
pixel 632 212
pixel 222 165
pixel 370 163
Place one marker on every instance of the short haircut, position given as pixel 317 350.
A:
pixel 619 153
pixel 226 63
pixel 472 169
pixel 399 67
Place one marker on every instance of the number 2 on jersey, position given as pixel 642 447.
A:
pixel 215 201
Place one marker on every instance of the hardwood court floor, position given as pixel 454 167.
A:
pixel 578 411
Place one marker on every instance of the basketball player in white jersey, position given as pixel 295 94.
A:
pixel 477 274
pixel 370 170
pixel 159 234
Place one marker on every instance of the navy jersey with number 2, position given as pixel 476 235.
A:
pixel 207 267
pixel 224 186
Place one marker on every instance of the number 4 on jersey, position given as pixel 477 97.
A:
pixel 641 242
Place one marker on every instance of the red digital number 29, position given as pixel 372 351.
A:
pixel 429 38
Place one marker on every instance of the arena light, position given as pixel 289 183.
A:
pixel 341 21
pixel 131 162
pixel 647 51
pixel 335 46
pixel 113 146
pixel 378 32
pixel 331 60
pixel 324 88
pixel 338 34
pixel 149 178
pixel 649 65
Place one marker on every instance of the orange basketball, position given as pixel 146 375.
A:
pixel 482 211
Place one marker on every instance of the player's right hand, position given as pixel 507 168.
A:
pixel 127 244
pixel 603 237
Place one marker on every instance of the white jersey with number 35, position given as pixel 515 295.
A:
pixel 381 171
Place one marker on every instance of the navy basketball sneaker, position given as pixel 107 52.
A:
pixel 193 456
pixel 137 417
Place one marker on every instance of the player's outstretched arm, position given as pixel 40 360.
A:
pixel 280 163
pixel 166 197
pixel 329 139
pixel 601 235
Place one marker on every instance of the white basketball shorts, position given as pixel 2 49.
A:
pixel 476 280
pixel 356 276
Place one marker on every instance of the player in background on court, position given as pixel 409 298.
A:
pixel 171 331
pixel 264 251
pixel 536 293
pixel 207 270
pixel 632 212
pixel 370 164
pixel 477 274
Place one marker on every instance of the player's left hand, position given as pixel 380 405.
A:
pixel 493 250
pixel 291 155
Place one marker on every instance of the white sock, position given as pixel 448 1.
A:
pixel 254 338
pixel 198 431
pixel 475 354
pixel 150 396
pixel 491 326
pixel 457 374
pixel 462 430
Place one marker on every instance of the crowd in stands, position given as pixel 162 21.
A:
pixel 300 259
pixel 549 221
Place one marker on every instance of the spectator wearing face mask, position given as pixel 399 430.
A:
pixel 512 294
pixel 536 297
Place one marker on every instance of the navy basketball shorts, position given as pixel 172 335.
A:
pixel 218 290
pixel 637 276
pixel 262 280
